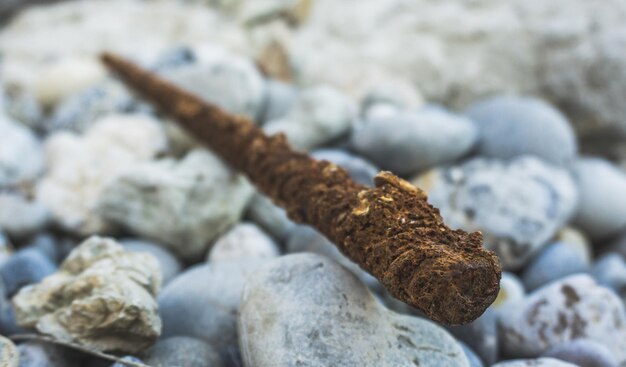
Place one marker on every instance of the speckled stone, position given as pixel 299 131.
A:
pixel 518 205
pixel 571 308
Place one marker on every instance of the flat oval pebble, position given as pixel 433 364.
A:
pixel 601 209
pixel 25 267
pixel 511 126
pixel 555 261
pixel 307 310
pixel 169 264
pixel 183 351
pixel 518 205
pixel 203 301
pixel 583 353
pixel 410 141
pixel 571 308
pixel 359 169
pixel 229 81
pixel 610 271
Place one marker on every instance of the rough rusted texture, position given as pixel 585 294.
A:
pixel 390 230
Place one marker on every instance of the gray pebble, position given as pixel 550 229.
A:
pixel 410 141
pixel 20 217
pixel 269 216
pixel 37 354
pixel 279 99
pixel 183 351
pixel 601 209
pixel 555 261
pixel 305 238
pixel 8 322
pixel 21 156
pixel 231 82
pixel 244 240
pixel 203 301
pixel 321 115
pixel 307 310
pixel 25 267
pixel 539 362
pixel 570 308
pixel 583 353
pixel 518 205
pixel 359 169
pixel 481 335
pixel 511 126
pixel 169 264
pixel 79 112
pixel 177 56
pixel 474 360
pixel 610 271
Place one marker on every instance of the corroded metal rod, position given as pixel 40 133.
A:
pixel 390 230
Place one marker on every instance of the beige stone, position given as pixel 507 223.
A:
pixel 102 297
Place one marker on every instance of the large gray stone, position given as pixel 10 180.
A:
pixel 308 310
pixel 203 302
pixel 81 166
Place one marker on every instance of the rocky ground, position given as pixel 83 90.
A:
pixel 120 234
